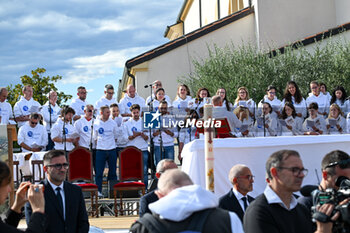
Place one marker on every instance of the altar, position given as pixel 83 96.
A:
pixel 254 152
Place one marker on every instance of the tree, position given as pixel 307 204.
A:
pixel 233 67
pixel 42 85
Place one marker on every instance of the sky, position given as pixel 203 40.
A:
pixel 87 42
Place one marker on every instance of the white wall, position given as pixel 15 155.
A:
pixel 209 11
pixel 178 62
pixel 343 11
pixel 192 19
pixel 283 21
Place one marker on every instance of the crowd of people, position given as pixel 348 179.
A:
pixel 107 126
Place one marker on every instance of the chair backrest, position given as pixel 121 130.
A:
pixel 40 174
pixel 16 174
pixel 130 164
pixel 80 165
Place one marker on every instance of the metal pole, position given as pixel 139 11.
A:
pixel 208 142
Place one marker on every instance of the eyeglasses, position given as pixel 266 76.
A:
pixel 90 110
pixel 314 88
pixel 342 164
pixel 34 123
pixel 272 93
pixel 295 170
pixel 248 177
pixel 59 166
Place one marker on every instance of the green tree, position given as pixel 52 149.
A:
pixel 41 84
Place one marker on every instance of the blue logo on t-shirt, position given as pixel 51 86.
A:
pixel 66 131
pixel 129 104
pixel 50 110
pixel 25 108
pixel 82 107
pixel 133 129
pixel 30 134
pixel 179 106
pixel 101 130
pixel 86 128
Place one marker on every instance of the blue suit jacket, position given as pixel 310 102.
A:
pixel 145 201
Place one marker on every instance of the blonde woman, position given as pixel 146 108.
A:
pixel 335 123
pixel 244 100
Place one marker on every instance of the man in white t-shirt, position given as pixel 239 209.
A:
pixel 79 103
pixel 107 99
pixel 25 106
pixel 5 108
pixel 156 84
pixel 32 136
pixel 130 98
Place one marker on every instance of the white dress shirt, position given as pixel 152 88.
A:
pixel 62 194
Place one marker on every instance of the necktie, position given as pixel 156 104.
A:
pixel 59 197
pixel 244 199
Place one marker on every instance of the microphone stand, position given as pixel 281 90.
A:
pixel 92 128
pixel 64 135
pixel 50 109
pixel 199 103
pixel 161 141
pixel 151 141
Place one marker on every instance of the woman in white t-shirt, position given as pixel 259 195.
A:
pixel 335 123
pixel 315 124
pixel 198 102
pixel 244 100
pixel 339 98
pixel 182 98
pixel 266 123
pixel 225 103
pixel 288 122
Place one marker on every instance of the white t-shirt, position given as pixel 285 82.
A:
pixel 23 107
pixel 83 128
pixel 321 100
pixel 57 131
pixel 5 112
pixel 126 102
pixel 136 126
pixel 105 133
pixel 78 105
pixel 32 137
pixel 55 113
pixel 103 101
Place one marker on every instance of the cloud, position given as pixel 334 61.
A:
pixel 88 68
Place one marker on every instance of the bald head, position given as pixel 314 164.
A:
pixel 130 90
pixel 172 179
pixel 3 94
pixel 163 165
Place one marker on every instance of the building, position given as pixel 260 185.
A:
pixel 263 23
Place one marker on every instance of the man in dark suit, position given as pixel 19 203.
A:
pixel 151 197
pixel 237 200
pixel 64 202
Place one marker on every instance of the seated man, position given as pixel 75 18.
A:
pixel 182 205
pixel 32 136
pixel 151 197
pixel 237 200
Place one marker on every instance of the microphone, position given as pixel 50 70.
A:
pixel 307 190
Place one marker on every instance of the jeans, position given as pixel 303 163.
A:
pixel 145 167
pixel 168 153
pixel 101 157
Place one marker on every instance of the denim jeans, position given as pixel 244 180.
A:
pixel 168 153
pixel 145 154
pixel 101 157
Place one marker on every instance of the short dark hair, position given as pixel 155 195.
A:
pixel 35 116
pixel 5 174
pixel 52 154
pixel 135 106
pixel 277 158
pixel 80 88
pixel 313 105
pixel 270 87
pixel 103 108
pixel 109 87
pixel 163 102
pixel 67 110
pixel 114 105
pixel 333 157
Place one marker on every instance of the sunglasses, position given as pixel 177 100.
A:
pixel 89 110
pixel 34 123
pixel 342 164
pixel 59 166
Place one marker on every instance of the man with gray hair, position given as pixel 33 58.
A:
pixel 151 197
pixel 107 99
pixel 5 108
pixel 237 200
pixel 184 206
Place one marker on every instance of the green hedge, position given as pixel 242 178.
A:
pixel 232 67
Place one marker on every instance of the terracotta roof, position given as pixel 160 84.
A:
pixel 314 38
pixel 188 37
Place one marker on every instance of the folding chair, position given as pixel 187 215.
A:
pixel 130 174
pixel 39 164
pixel 80 169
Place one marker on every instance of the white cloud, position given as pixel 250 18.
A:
pixel 88 68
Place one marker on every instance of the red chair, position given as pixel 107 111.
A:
pixel 80 169
pixel 130 174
